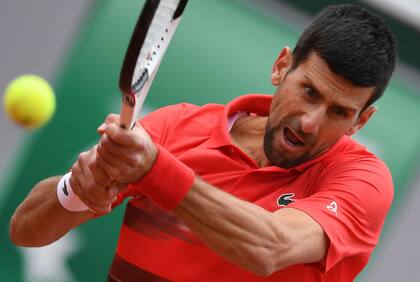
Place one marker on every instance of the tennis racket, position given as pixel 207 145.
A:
pixel 149 41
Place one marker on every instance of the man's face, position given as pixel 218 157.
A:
pixel 311 110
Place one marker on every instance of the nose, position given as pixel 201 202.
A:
pixel 312 120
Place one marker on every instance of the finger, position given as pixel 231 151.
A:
pixel 83 185
pixel 112 171
pixel 77 177
pixel 112 192
pixel 79 191
pixel 97 202
pixel 101 129
pixel 75 186
pixel 112 118
pixel 120 186
pixel 115 189
pixel 94 192
pixel 123 137
pixel 98 209
pixel 99 196
pixel 99 174
pixel 113 160
pixel 115 151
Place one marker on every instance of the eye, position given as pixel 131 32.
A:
pixel 309 92
pixel 339 111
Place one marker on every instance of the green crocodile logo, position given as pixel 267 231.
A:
pixel 285 199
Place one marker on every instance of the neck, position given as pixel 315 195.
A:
pixel 248 134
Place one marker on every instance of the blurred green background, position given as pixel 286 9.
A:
pixel 222 49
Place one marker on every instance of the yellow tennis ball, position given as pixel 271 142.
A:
pixel 29 100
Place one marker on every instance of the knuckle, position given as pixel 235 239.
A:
pixel 115 175
pixel 90 188
pixel 141 143
pixel 93 201
pixel 102 151
pixel 81 156
pixel 103 140
pixel 99 193
pixel 109 117
pixel 112 117
pixel 92 165
pixel 103 205
pixel 82 159
pixel 131 161
pixel 103 148
pixel 75 168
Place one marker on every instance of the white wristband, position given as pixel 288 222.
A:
pixel 67 198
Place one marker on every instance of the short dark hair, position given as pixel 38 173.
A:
pixel 355 43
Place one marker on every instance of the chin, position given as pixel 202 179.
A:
pixel 280 159
pixel 284 163
pixel 276 158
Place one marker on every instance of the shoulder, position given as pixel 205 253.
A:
pixel 182 110
pixel 355 157
pixel 182 121
pixel 360 175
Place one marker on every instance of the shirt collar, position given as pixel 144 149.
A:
pixel 259 104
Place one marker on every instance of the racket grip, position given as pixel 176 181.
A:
pixel 127 114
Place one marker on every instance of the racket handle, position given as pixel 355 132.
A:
pixel 127 120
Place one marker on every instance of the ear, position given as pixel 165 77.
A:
pixel 281 66
pixel 362 120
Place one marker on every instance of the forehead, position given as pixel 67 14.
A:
pixel 315 71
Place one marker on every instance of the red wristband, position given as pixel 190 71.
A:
pixel 167 182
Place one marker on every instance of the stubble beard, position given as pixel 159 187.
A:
pixel 279 158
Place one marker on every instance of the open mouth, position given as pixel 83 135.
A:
pixel 292 139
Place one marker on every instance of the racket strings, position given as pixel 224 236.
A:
pixel 154 43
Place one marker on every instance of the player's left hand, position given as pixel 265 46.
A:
pixel 125 155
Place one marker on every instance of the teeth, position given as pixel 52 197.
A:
pixel 289 136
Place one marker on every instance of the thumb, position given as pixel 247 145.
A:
pixel 101 129
pixel 110 119
pixel 121 136
pixel 111 130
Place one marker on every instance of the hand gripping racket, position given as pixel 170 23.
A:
pixel 149 41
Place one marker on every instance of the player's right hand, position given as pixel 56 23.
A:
pixel 91 183
pixel 125 155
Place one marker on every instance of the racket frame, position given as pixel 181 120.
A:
pixel 134 94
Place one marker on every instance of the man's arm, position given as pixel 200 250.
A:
pixel 249 236
pixel 245 234
pixel 41 219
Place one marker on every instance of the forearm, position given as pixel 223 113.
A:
pixel 249 236
pixel 243 233
pixel 40 219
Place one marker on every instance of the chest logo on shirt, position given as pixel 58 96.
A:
pixel 285 199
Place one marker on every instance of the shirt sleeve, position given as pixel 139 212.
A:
pixel 158 124
pixel 350 203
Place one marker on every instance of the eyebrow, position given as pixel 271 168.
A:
pixel 318 92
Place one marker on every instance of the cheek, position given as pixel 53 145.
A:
pixel 284 102
pixel 331 133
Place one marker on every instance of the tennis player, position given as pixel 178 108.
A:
pixel 265 188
